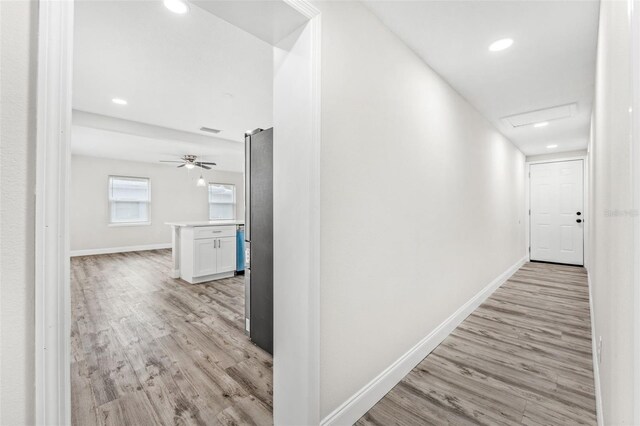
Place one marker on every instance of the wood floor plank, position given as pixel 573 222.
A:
pixel 150 350
pixel 522 357
pixel 246 411
pixel 465 402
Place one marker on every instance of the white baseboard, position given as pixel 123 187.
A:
pixel 596 363
pixel 362 401
pixel 90 252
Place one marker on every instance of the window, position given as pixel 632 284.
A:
pixel 129 199
pixel 222 201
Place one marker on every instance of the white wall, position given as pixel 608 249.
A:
pixel 611 248
pixel 296 228
pixel 18 24
pixel 422 201
pixel 174 197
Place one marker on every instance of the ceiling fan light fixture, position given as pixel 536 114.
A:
pixel 189 166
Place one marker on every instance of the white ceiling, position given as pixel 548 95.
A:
pixel 551 63
pixel 178 72
pixel 101 136
pixel 269 20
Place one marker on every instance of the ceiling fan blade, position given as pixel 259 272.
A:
pixel 181 165
pixel 207 162
pixel 204 167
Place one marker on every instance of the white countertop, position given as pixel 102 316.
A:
pixel 207 223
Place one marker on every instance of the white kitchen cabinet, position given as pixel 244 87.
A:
pixel 207 253
pixel 226 254
pixel 205 257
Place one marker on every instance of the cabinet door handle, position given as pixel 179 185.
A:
pixel 214 243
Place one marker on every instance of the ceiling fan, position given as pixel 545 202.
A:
pixel 189 161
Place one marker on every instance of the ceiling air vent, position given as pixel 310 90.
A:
pixel 210 130
pixel 542 115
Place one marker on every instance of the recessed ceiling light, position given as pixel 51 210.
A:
pixel 552 146
pixel 501 44
pixel 119 101
pixel 544 123
pixel 177 6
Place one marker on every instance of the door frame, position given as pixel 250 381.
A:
pixel 634 18
pixel 585 201
pixel 300 310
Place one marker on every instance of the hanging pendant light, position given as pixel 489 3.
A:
pixel 201 181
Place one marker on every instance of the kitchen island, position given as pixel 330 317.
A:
pixel 204 251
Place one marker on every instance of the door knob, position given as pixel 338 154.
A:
pixel 578 213
pixel 579 220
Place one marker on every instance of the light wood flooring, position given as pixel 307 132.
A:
pixel 150 350
pixel 523 357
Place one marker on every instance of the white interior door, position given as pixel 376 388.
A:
pixel 557 212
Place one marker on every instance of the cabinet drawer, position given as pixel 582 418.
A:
pixel 214 232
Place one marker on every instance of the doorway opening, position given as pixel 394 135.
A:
pixel 130 198
pixel 161 100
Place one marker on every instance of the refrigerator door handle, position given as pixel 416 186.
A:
pixel 247 187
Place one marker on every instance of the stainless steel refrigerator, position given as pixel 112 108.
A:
pixel 259 237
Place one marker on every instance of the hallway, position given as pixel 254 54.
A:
pixel 523 357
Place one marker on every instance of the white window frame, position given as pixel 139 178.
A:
pixel 111 201
pixel 235 199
